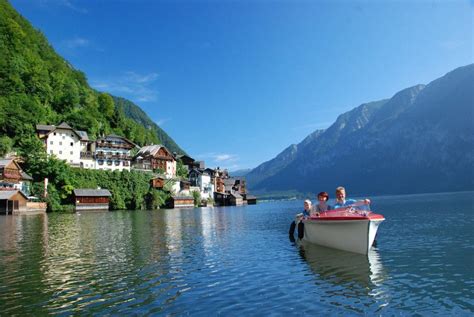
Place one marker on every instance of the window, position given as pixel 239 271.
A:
pixel 60 143
pixel 72 143
pixel 51 152
pixel 72 135
pixel 101 162
pixel 54 133
pixel 60 152
pixel 64 137
pixel 51 142
pixel 71 153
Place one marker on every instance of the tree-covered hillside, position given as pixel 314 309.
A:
pixel 39 86
pixel 135 113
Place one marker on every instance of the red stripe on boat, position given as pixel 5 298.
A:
pixel 343 215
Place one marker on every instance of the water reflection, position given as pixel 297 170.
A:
pixel 345 268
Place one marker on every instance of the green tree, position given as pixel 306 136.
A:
pixel 106 105
pixel 181 170
pixel 5 145
pixel 197 198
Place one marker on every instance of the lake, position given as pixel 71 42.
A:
pixel 238 261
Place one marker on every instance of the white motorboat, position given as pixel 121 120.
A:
pixel 345 228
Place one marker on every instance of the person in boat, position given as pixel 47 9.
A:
pixel 341 200
pixel 322 205
pixel 298 220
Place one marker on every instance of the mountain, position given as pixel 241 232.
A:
pixel 135 113
pixel 420 140
pixel 37 86
pixel 240 173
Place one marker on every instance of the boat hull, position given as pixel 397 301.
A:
pixel 353 235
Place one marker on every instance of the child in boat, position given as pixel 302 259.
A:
pixel 298 221
pixel 341 200
pixel 322 205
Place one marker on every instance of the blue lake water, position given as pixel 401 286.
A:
pixel 238 260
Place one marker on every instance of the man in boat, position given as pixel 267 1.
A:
pixel 341 200
pixel 298 221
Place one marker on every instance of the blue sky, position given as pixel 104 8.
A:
pixel 236 82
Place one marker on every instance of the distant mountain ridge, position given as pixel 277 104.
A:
pixel 420 140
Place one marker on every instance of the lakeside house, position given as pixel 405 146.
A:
pixel 12 176
pixel 12 201
pixel 181 202
pixel 91 199
pixel 152 158
pixel 65 143
pixel 201 178
pixel 113 152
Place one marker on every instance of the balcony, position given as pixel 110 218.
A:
pixel 113 145
pixel 103 156
pixel 86 155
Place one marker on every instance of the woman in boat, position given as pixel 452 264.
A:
pixel 298 221
pixel 322 205
pixel 341 200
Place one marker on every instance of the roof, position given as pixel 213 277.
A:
pixel 25 176
pixel 83 134
pixel 184 156
pixel 4 162
pixel 115 136
pixel 152 150
pixel 229 181
pixel 92 193
pixel 44 127
pixel 51 128
pixel 64 125
pixel 7 194
pixel 236 195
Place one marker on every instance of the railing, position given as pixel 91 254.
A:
pixel 114 145
pixel 86 155
pixel 103 156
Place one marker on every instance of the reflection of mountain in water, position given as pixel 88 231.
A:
pixel 341 267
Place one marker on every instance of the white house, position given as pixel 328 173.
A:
pixel 202 178
pixel 62 141
pixel 113 152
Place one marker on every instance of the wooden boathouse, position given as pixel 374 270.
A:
pixel 12 201
pixel 91 199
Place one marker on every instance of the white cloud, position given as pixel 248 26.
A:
pixel 161 122
pixel 76 42
pixel 225 157
pixel 218 157
pixel 135 86
pixel 63 3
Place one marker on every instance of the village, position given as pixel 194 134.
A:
pixel 212 186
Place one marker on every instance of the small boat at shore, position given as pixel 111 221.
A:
pixel 347 228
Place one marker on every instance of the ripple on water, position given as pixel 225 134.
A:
pixel 234 260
